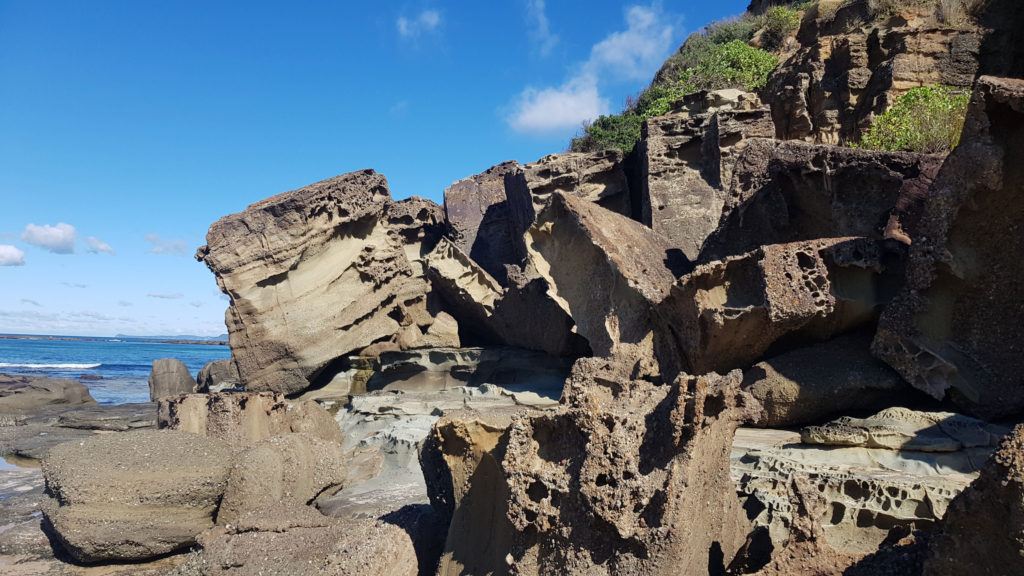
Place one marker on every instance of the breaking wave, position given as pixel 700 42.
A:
pixel 50 366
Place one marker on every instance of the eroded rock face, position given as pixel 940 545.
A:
pixel 595 176
pixel 853 66
pixel 806 385
pixel 900 428
pixel 727 314
pixel 22 394
pixel 981 532
pixel 169 377
pixel 135 495
pixel 607 272
pixel 789 191
pixel 625 478
pixel 320 273
pixel 685 158
pixel 953 331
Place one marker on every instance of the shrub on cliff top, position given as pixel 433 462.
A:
pixel 732 65
pixel 780 21
pixel 927 119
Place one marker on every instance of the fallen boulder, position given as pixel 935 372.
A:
pixel 169 377
pixel 24 394
pixel 135 495
pixel 217 376
pixel 598 177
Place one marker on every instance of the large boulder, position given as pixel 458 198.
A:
pixel 981 533
pixel 136 495
pixel 169 377
pixel 687 156
pixel 599 177
pixel 608 273
pixel 317 274
pixel 23 394
pixel 625 478
pixel 806 385
pixel 218 375
pixel 953 331
pixel 727 314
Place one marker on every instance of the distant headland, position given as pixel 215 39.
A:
pixel 177 339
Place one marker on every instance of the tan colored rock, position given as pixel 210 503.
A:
pixel 22 394
pixel 134 495
pixel 320 273
pixel 685 158
pixel 728 313
pixel 286 471
pixel 218 375
pixel 982 530
pixel 953 330
pixel 900 428
pixel 169 377
pixel 597 177
pixel 608 273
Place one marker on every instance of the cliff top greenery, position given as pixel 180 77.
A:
pixel 926 119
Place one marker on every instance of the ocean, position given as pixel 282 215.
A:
pixel 122 365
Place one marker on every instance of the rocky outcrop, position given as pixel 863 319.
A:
pixel 900 428
pixel 317 274
pixel 169 377
pixel 981 532
pixel 245 418
pixel 727 314
pixel 686 156
pixel 23 394
pixel 31 435
pixel 217 376
pixel 626 478
pixel 953 330
pixel 136 495
pixel 598 177
pixel 608 273
pixel 853 64
pixel 790 191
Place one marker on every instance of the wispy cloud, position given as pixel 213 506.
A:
pixel 425 22
pixel 196 304
pixel 31 302
pixel 124 303
pixel 74 285
pixel 166 296
pixel 59 239
pixel 540 29
pixel 11 256
pixel 175 246
pixel 631 54
pixel 96 246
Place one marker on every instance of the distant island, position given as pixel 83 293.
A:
pixel 220 340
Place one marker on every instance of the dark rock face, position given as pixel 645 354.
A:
pixel 809 384
pixel 953 332
pixel 484 220
pixel 625 478
pixel 169 377
pixel 790 191
pixel 728 313
pixel 685 158
pixel 23 394
pixel 218 375
pixel 852 67
pixel 320 273
pixel 981 531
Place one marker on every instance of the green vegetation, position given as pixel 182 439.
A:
pixel 732 64
pixel 926 119
pixel 780 21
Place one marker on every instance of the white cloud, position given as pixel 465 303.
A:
pixel 96 246
pixel 59 239
pixel 196 304
pixel 559 108
pixel 631 54
pixel 11 256
pixel 74 285
pixel 172 246
pixel 540 28
pixel 30 301
pixel 427 21
pixel 165 296
pixel 124 303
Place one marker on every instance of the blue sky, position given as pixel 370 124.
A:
pixel 127 127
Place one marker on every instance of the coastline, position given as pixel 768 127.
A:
pixel 100 339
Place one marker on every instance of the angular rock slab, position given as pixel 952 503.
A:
pixel 981 531
pixel 728 313
pixel 170 377
pixel 598 177
pixel 134 495
pixel 954 330
pixel 900 428
pixel 608 273
pixel 320 273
